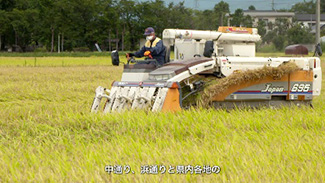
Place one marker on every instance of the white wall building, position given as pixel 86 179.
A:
pixel 268 16
pixel 309 20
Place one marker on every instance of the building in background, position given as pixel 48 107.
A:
pixel 309 20
pixel 268 16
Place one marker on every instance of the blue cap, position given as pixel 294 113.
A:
pixel 148 31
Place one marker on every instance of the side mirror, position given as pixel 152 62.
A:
pixel 115 58
pixel 208 49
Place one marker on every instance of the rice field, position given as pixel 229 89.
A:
pixel 47 133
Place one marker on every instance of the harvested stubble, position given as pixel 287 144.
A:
pixel 218 86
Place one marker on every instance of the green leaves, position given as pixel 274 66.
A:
pixel 82 23
pixel 238 19
pixel 285 33
pixel 221 9
pixel 308 7
pixel 299 34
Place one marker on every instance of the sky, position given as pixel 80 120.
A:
pixel 235 4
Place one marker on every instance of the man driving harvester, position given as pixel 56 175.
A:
pixel 153 48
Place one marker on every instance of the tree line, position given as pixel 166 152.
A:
pixel 76 25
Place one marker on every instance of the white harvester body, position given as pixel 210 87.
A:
pixel 216 54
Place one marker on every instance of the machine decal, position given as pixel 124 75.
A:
pixel 297 88
pixel 301 88
pixel 271 89
pixel 181 56
pixel 259 92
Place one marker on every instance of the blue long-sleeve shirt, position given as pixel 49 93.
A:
pixel 157 49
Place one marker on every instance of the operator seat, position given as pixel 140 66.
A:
pixel 167 55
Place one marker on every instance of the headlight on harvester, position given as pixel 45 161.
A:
pixel 152 77
pixel 165 77
pixel 160 77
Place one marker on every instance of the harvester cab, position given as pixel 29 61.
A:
pixel 213 68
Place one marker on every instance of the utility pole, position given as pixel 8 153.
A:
pixel 196 4
pixel 273 5
pixel 317 21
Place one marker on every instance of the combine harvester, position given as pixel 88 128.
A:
pixel 219 65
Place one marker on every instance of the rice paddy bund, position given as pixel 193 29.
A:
pixel 47 133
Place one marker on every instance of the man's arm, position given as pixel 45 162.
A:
pixel 140 53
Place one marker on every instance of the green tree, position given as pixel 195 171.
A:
pixel 179 16
pixel 81 23
pixel 308 7
pixel 261 27
pixel 239 19
pixel 269 36
pixel 203 19
pixel 277 35
pixel 279 42
pixel 108 20
pixel 322 6
pixel 251 7
pixel 221 9
pixel 6 5
pixel 48 17
pixel 21 22
pixel 299 34
pixel 322 32
pixel 247 21
pixel 281 26
pixel 4 24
